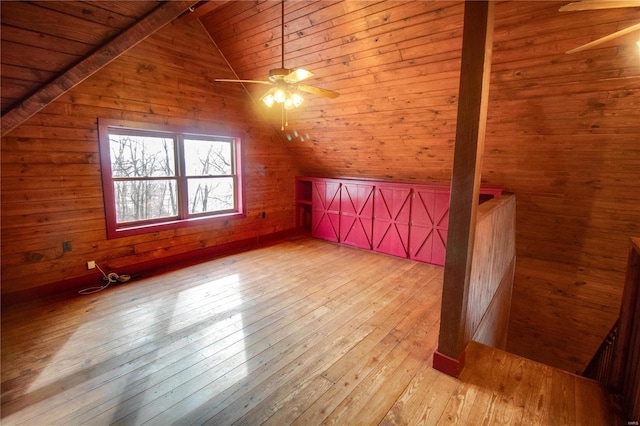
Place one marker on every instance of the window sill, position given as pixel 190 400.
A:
pixel 174 224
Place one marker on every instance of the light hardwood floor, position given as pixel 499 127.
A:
pixel 304 332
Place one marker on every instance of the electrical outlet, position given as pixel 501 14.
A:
pixel 91 264
pixel 66 246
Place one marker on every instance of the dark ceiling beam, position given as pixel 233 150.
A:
pixel 473 99
pixel 164 13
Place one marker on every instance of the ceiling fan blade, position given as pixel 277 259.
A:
pixel 604 39
pixel 599 4
pixel 318 91
pixel 228 80
pixel 297 75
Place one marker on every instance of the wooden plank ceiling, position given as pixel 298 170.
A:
pixel 395 64
pixel 41 39
pixel 109 48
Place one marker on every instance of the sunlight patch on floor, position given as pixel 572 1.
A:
pixel 203 301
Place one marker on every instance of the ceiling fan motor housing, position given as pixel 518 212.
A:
pixel 278 73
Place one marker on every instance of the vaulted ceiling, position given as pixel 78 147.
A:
pixel 40 40
pixel 395 64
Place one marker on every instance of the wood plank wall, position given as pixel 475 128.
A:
pixel 562 132
pixel 563 135
pixel 51 182
pixel 492 271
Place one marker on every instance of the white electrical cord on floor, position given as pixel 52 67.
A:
pixel 111 278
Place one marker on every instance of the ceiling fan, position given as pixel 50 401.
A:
pixel 598 5
pixel 285 89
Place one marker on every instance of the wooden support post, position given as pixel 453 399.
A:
pixel 465 182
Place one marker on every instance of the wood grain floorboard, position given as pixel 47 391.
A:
pixel 303 332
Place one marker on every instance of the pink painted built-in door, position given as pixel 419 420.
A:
pixel 356 220
pixel 423 206
pixel 392 206
pixel 440 224
pixel 325 213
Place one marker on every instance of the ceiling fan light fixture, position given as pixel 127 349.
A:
pixel 288 104
pixel 280 96
pixel 296 99
pixel 293 100
pixel 287 98
pixel 285 88
pixel 268 100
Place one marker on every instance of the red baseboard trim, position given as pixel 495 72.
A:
pixel 450 366
pixel 69 288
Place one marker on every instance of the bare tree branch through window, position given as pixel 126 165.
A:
pixel 158 176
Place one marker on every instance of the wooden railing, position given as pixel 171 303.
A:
pixel 619 371
pixel 492 271
pixel 485 314
pixel 600 366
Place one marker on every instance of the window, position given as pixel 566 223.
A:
pixel 155 179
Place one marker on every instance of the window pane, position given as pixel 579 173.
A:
pixel 141 156
pixel 145 199
pixel 210 195
pixel 207 157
